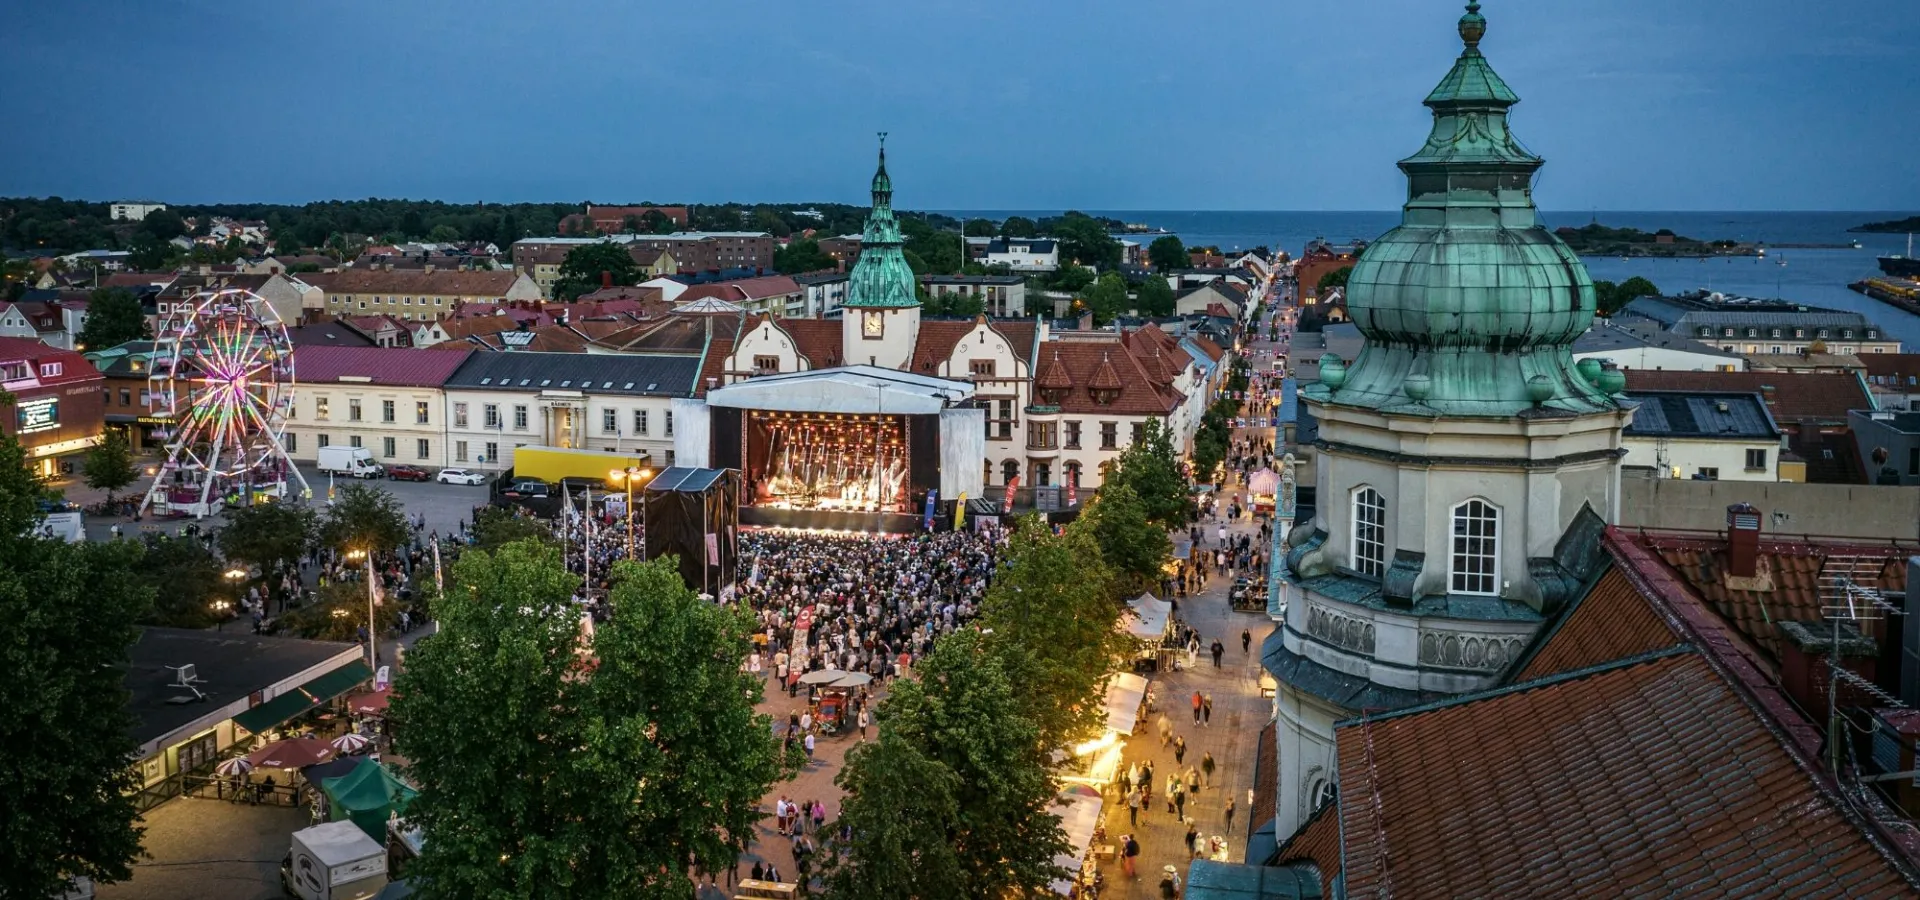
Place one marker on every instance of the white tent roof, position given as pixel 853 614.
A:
pixel 1079 816
pixel 710 305
pixel 847 389
pixel 1124 694
pixel 1265 481
pixel 1147 617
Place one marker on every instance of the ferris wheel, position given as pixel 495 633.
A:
pixel 223 379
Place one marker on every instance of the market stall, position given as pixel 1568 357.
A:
pixel 1149 621
pixel 1079 810
pixel 368 796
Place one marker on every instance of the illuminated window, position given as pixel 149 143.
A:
pixel 1369 532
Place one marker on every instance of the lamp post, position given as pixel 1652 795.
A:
pixel 630 475
pixel 373 630
pixel 233 576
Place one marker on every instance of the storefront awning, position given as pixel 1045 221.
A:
pixel 1079 811
pixel 304 697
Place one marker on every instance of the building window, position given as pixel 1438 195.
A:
pixel 640 422
pixel 1799 333
pixel 493 452
pixel 1369 532
pixel 1756 459
pixel 48 370
pixel 459 415
pixel 1009 470
pixel 320 408
pixel 386 447
pixel 1476 548
pixel 1006 419
pixel 293 442
pixel 766 365
pixel 126 397
pixel 353 440
pixel 323 441
pixel 386 411
pixel 980 368
pixel 492 415
pixel 1109 436
pixel 1707 473
pixel 668 420
pixel 459 451
pixel 610 421
pixel 353 410
pixel 1042 475
pixel 519 418
pixel 1073 435
pixel 420 412
pixel 421 450
pixel 1139 433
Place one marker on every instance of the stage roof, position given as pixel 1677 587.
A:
pixel 848 389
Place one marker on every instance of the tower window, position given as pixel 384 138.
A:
pixel 1476 548
pixel 1369 532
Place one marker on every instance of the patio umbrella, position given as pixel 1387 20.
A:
pixel 350 742
pixel 821 676
pixel 852 679
pixel 371 703
pixel 235 766
pixel 292 753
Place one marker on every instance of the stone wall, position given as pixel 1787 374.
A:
pixel 1786 508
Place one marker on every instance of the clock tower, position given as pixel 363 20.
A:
pixel 881 315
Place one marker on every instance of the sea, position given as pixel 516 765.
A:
pixel 1813 277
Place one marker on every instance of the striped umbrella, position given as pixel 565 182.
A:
pixel 235 766
pixel 350 742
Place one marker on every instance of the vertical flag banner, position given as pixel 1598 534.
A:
pixel 1073 492
pixel 1013 487
pixel 933 497
pixel 960 512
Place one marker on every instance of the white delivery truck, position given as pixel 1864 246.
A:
pixel 334 861
pixel 354 461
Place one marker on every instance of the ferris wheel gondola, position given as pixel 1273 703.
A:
pixel 223 376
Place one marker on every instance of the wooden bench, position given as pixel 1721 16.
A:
pixel 765 890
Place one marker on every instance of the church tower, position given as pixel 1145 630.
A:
pixel 881 320
pixel 1466 465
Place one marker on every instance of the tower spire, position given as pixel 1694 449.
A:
pixel 881 277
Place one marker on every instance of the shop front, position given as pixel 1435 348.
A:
pixel 52 405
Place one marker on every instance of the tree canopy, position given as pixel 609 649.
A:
pixel 1106 297
pixel 587 265
pixel 980 228
pixel 1084 239
pixel 109 465
pixel 494 528
pixel 1610 298
pixel 550 767
pixel 113 318
pixel 1151 467
pixel 365 518
pixel 272 536
pixel 1167 253
pixel 1155 297
pixel 1018 227
pixel 67 619
pixel 1132 545
pixel 802 255
pixel 953 801
pixel 1335 279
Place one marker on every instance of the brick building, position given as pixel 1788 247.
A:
pixel 52 405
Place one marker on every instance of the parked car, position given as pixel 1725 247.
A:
pixel 460 476
pixel 527 489
pixel 408 473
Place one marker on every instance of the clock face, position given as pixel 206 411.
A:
pixel 871 323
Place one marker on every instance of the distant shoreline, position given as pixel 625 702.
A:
pixel 1893 226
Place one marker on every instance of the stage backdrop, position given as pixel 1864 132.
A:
pixel 963 450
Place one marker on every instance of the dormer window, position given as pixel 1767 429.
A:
pixel 49 370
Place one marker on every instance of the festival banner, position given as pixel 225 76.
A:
pixel 1013 487
pixel 933 497
pixel 713 549
pixel 1073 492
pixel 960 512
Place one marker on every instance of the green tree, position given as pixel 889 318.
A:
pixel 365 518
pixel 582 269
pixel 1335 279
pixel 272 536
pixel 494 528
pixel 1610 298
pixel 109 465
pixel 1084 239
pixel 546 772
pixel 656 222
pixel 67 619
pixel 1071 279
pixel 443 234
pixel 980 228
pixel 801 255
pixel 1133 546
pixel 150 254
pixel 113 318
pixel 1151 467
pixel 1168 253
pixel 1018 227
pixel 1107 297
pixel 184 575
pixel 953 802
pixel 1155 297
pixel 1050 617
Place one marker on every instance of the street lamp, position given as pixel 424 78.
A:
pixel 373 630
pixel 630 475
pixel 233 576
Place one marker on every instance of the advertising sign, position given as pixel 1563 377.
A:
pixel 39 415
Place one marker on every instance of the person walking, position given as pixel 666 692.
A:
pixel 1132 850
pixel 1246 641
pixel 1172 790
pixel 1193 843
pixel 1179 750
pixel 1206 769
pixel 1133 808
pixel 1196 707
pixel 809 743
pixel 865 720
pixel 819 815
pixel 1217 649
pixel 1206 711
pixel 1229 815
pixel 1166 729
pixel 1169 883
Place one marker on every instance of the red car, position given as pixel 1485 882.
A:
pixel 408 473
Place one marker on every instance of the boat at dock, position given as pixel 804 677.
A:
pixel 1897 292
pixel 1898 266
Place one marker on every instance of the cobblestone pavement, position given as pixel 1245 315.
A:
pixel 211 850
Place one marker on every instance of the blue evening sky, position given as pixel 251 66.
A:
pixel 1098 104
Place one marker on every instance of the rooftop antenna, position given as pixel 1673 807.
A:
pixel 1845 599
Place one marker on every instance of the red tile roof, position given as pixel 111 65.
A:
pixel 818 340
pixel 713 367
pixel 1647 777
pixel 1317 842
pixel 1612 621
pixel 381 365
pixel 1108 365
pixel 1790 396
pixel 1787 587
pixel 442 282
pixel 74 368
pixel 1892 365
pixel 741 290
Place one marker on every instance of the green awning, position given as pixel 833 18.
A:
pixel 304 697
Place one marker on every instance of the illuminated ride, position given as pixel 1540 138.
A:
pixel 223 380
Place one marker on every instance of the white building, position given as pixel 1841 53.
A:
pixel 388 400
pixel 1023 254
pixel 1635 344
pixel 1703 435
pixel 132 211
pixel 620 402
pixel 823 292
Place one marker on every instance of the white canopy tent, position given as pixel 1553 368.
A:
pixel 1147 617
pixel 1079 811
pixel 1124 694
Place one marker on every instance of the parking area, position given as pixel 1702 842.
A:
pixel 211 849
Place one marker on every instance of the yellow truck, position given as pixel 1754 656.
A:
pixel 553 464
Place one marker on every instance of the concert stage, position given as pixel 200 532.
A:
pixel 856 448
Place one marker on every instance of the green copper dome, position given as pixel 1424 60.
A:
pixel 882 277
pixel 1470 291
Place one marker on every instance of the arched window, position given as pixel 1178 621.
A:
pixel 1322 793
pixel 1010 469
pixel 1476 548
pixel 1073 473
pixel 1369 550
pixel 987 477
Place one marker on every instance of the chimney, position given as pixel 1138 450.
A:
pixel 1743 540
pixel 606 279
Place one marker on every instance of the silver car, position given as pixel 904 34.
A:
pixel 460 476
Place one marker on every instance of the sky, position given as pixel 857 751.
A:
pixel 1093 104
